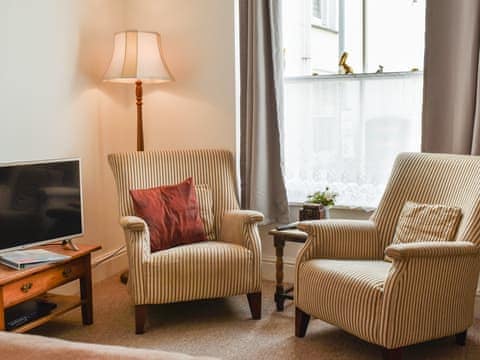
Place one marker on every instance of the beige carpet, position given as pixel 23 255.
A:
pixel 223 328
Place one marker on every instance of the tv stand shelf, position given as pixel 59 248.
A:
pixel 64 304
pixel 17 286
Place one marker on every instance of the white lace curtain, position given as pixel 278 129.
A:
pixel 345 131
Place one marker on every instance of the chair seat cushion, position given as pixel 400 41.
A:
pixel 346 293
pixel 209 269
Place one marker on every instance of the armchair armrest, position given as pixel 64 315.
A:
pixel 246 216
pixel 340 239
pixel 137 239
pixel 431 249
pixel 435 283
pixel 240 227
pixel 133 223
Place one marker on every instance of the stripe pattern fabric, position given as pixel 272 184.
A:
pixel 424 222
pixel 212 269
pixel 205 205
pixel 428 297
pixel 428 289
pixel 333 282
pixel 451 180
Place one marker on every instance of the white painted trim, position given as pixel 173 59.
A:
pixel 109 256
pixel 269 267
pixel 384 75
pixel 112 267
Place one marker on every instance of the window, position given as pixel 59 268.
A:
pixel 325 14
pixel 345 131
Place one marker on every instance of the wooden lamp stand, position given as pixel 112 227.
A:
pixel 140 143
pixel 139 95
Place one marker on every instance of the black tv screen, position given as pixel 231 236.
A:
pixel 39 202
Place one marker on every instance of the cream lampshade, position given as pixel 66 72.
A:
pixel 138 58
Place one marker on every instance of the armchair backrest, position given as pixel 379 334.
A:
pixel 452 180
pixel 142 170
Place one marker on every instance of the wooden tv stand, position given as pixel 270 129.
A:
pixel 17 286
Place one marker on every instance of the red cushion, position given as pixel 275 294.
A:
pixel 172 214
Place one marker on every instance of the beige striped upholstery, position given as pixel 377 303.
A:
pixel 423 222
pixel 428 291
pixel 333 281
pixel 228 266
pixel 205 205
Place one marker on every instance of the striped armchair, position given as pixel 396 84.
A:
pixel 228 266
pixel 426 292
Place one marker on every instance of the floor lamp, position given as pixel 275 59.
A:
pixel 137 59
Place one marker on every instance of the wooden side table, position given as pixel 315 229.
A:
pixel 279 238
pixel 17 286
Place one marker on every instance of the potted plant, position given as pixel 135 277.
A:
pixel 318 204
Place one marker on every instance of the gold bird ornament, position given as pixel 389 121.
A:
pixel 344 68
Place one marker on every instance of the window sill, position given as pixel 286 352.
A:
pixel 384 75
pixel 366 209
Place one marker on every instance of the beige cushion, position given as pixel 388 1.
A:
pixel 205 204
pixel 423 222
pixel 211 269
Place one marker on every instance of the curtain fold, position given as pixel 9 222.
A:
pixel 261 78
pixel 451 97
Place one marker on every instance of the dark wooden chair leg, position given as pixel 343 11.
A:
pixel 255 304
pixel 392 354
pixel 140 318
pixel 461 338
pixel 301 322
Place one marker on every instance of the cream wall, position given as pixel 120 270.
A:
pixel 52 101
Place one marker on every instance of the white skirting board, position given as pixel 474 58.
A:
pixel 269 266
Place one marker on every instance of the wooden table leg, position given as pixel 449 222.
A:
pixel 2 311
pixel 279 244
pixel 86 293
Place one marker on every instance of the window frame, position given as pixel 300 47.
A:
pixel 331 20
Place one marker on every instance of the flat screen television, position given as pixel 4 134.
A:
pixel 40 202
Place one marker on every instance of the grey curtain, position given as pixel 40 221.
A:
pixel 451 98
pixel 261 78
